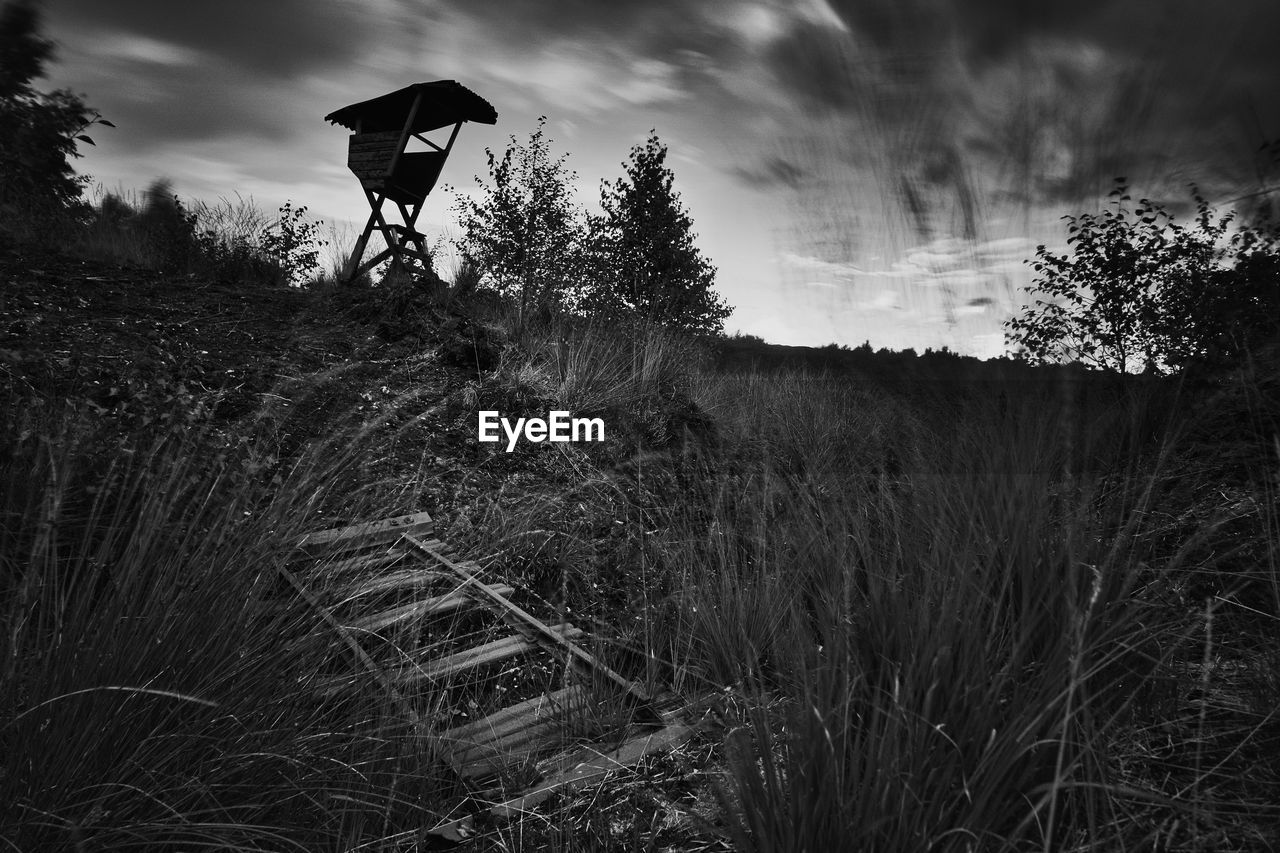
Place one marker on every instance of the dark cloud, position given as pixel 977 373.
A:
pixel 816 63
pixel 654 28
pixel 279 37
pixel 771 172
pixel 960 108
pixel 986 29
pixel 981 302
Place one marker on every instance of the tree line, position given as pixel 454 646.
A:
pixel 1140 291
pixel 636 261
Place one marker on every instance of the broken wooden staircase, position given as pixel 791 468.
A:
pixel 418 621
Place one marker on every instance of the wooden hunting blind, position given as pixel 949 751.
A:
pixel 382 129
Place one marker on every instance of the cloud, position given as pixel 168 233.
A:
pixel 812 264
pixel 582 78
pixel 131 47
pixel 951 263
pixel 770 172
pixel 975 306
pixel 963 109
pixel 280 38
pixel 885 300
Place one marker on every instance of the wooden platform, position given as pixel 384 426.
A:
pixel 421 624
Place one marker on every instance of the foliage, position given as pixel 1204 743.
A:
pixel 646 263
pixel 229 242
pixel 149 682
pixel 294 244
pixel 1140 289
pixel 637 261
pixel 38 131
pixel 525 229
pixel 168 229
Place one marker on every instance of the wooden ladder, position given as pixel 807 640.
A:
pixel 419 621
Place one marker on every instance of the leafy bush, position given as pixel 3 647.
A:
pixel 39 132
pixel 1141 289
pixel 294 244
pixel 230 241
pixel 168 230
pixel 525 231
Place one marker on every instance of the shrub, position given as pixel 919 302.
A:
pixel 39 132
pixel 1140 289
pixel 645 263
pixel 154 690
pixel 294 244
pixel 525 231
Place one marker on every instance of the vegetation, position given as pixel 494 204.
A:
pixel 1143 291
pixel 928 603
pixel 1030 601
pixel 524 230
pixel 634 262
pixel 229 241
pixel 646 263
pixel 39 132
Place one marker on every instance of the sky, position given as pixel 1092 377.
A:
pixel 857 170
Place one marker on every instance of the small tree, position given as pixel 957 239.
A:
pixel 1139 289
pixel 645 260
pixel 38 132
pixel 525 231
pixel 293 243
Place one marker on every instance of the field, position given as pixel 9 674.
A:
pixel 944 604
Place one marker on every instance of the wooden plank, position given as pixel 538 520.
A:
pixel 442 667
pixel 391 136
pixel 415 610
pixel 420 524
pixel 478 656
pixel 362 656
pixel 515 747
pixel 595 768
pixel 368 534
pixel 405 579
pixel 371 563
pixel 527 619
pixel 517 738
pixel 501 722
pixel 371 176
pixel 491 759
pixel 408 128
pixel 370 151
pixel 369 161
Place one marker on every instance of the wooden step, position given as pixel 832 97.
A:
pixel 588 766
pixel 512 735
pixel 437 604
pixel 368 534
pixel 462 661
pixel 373 563
pixel 404 579
pixel 500 722
pixel 443 667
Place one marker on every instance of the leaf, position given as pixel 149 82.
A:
pixel 105 123
pixel 84 138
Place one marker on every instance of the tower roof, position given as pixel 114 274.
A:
pixel 444 102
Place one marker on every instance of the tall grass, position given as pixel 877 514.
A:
pixel 942 627
pixel 948 618
pixel 940 619
pixel 155 684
